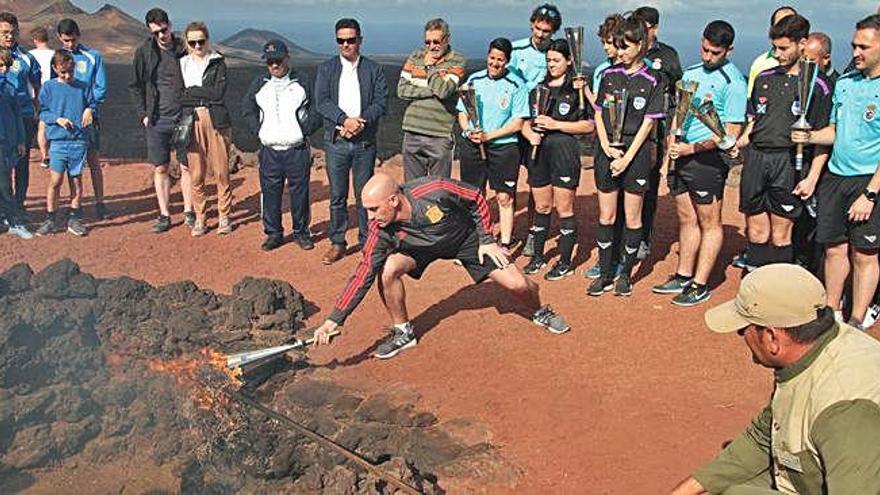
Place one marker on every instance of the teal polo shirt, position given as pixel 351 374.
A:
pixel 499 101
pixel 726 87
pixel 528 62
pixel 854 112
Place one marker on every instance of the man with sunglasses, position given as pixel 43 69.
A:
pixel 279 109
pixel 351 95
pixel 156 87
pixel 820 433
pixel 429 82
pixel 25 76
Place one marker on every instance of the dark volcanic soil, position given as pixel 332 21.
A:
pixel 99 371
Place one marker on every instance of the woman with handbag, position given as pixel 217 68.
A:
pixel 208 138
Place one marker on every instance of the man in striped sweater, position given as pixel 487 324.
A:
pixel 428 81
pixel 411 226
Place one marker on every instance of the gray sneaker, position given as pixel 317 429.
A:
pixel 675 285
pixel 21 231
pixel 75 227
pixel 529 246
pixel 224 227
pixel 692 296
pixel 199 229
pixel 47 227
pixel 396 342
pixel 550 320
pixel 189 218
pixel 162 224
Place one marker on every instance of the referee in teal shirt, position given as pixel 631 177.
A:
pixel 847 193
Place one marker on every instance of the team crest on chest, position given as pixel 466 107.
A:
pixel 434 214
pixel 81 67
pixel 762 105
pixel 16 65
pixel 870 112
pixel 639 102
pixel 657 64
pixel 503 102
pixel 795 107
pixel 564 108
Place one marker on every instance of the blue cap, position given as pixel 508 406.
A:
pixel 274 49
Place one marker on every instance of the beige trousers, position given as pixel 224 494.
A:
pixel 209 150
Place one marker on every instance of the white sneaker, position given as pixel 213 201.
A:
pixel 871 316
pixel 21 231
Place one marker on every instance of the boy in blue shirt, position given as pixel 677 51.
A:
pixel 12 147
pixel 67 110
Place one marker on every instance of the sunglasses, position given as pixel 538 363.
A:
pixel 435 42
pixel 350 41
pixel 160 32
pixel 195 43
pixel 545 12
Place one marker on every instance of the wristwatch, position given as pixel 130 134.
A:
pixel 870 195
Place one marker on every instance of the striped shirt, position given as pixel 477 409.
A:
pixel 431 92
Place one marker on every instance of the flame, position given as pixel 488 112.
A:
pixel 185 371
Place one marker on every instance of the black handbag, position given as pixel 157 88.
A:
pixel 182 135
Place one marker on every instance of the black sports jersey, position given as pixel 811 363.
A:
pixel 644 96
pixel 664 59
pixel 564 106
pixel 774 107
pixel 444 213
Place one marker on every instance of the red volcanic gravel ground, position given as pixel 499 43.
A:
pixel 633 398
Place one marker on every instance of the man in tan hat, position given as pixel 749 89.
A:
pixel 821 431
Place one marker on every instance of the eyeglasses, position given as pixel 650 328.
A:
pixel 350 41
pixel 160 32
pixel 199 42
pixel 547 12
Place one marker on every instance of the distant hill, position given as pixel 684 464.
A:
pixel 252 41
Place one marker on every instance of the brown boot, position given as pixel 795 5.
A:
pixel 334 254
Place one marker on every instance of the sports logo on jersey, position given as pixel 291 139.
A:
pixel 16 65
pixel 657 64
pixel 564 108
pixel 639 102
pixel 762 105
pixel 870 112
pixel 82 67
pixel 434 214
pixel 795 107
pixel 503 102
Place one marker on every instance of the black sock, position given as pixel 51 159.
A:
pixel 540 228
pixel 783 254
pixel 698 287
pixel 759 254
pixel 683 278
pixel 75 213
pixel 52 215
pixel 631 240
pixel 605 239
pixel 567 237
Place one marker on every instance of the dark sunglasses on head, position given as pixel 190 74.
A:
pixel 199 42
pixel 160 32
pixel 552 13
pixel 350 41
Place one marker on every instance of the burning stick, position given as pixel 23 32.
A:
pixel 541 106
pixel 234 361
pixel 468 95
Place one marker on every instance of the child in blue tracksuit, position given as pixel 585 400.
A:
pixel 67 109
pixel 12 147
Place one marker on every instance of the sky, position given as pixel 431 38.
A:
pixel 394 26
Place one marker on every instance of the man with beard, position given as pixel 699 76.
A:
pixel 697 182
pixel 848 223
pixel 820 432
pixel 664 59
pixel 529 61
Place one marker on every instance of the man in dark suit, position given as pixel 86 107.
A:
pixel 351 95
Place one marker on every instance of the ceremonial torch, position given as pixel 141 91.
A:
pixel 684 97
pixel 708 115
pixel 468 96
pixel 808 70
pixel 575 38
pixel 541 106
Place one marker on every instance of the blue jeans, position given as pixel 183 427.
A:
pixel 343 158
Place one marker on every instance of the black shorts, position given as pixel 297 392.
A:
pixel 500 170
pixel 525 151
pixel 835 195
pixel 702 175
pixel 467 254
pixel 159 141
pixel 558 162
pixel 766 184
pixel 635 179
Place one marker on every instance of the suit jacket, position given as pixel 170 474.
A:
pixel 374 96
